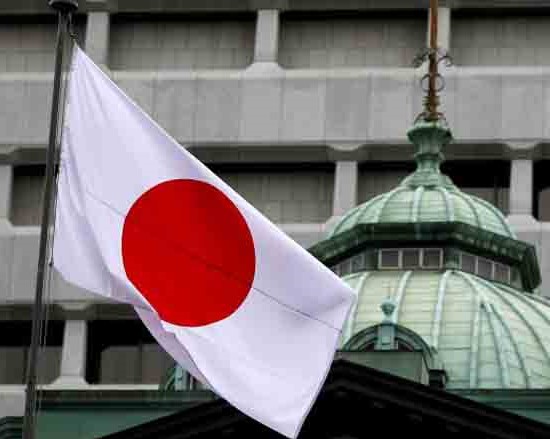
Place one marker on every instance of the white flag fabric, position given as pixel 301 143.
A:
pixel 229 296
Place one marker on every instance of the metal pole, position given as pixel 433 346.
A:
pixel 64 9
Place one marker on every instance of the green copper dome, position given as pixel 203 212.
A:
pixel 487 335
pixel 459 279
pixel 427 195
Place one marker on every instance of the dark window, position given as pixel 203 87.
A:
pixel 484 268
pixel 502 273
pixel 411 258
pixel 431 258
pixel 26 199
pixel 471 176
pixel 123 351
pixel 541 190
pixel 15 338
pixel 389 259
pixel 468 263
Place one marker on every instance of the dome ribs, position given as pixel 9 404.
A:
pixel 448 203
pixel 438 313
pixel 522 317
pixel 495 330
pixel 517 349
pixel 399 294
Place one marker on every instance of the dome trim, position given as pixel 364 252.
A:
pixel 475 345
pixel 367 205
pixel 529 303
pixel 491 336
pixel 517 350
pixel 495 330
pixel 387 199
pixel 497 213
pixel 471 205
pixel 438 313
pixel 370 334
pixel 345 218
pixel 355 238
pixel 418 193
pixel 399 294
pixel 448 203
pixel 360 210
pixel 498 340
pixel 521 315
pixel 348 330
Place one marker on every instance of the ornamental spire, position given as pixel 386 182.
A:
pixel 430 132
pixel 432 82
pixel 432 99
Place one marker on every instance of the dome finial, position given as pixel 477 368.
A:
pixel 430 132
pixel 434 55
pixel 388 306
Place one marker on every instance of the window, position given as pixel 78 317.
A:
pixel 502 273
pixel 352 265
pixel 124 352
pixel 411 258
pixel 15 337
pixel 26 199
pixel 484 268
pixel 432 258
pixel 468 262
pixel 284 193
pixel 389 259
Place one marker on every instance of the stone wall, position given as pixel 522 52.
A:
pixel 181 43
pixel 287 195
pixel 374 182
pixel 501 40
pixel 136 364
pixel 351 41
pixel 28 45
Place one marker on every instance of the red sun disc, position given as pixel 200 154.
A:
pixel 187 248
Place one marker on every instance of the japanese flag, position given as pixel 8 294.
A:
pixel 230 297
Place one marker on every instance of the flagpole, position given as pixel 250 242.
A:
pixel 64 9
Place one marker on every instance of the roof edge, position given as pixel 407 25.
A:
pixel 461 235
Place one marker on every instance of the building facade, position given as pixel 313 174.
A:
pixel 302 107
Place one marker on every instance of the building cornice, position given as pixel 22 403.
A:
pixel 131 6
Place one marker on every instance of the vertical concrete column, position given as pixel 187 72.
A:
pixel 521 187
pixel 266 46
pixel 73 354
pixel 520 218
pixel 6 179
pixel 345 187
pixel 444 28
pixel 97 36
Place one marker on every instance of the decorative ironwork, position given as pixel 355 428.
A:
pixel 432 82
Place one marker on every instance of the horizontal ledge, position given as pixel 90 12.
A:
pixel 190 6
pixel 284 73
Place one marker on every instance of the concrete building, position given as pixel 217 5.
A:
pixel 302 106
